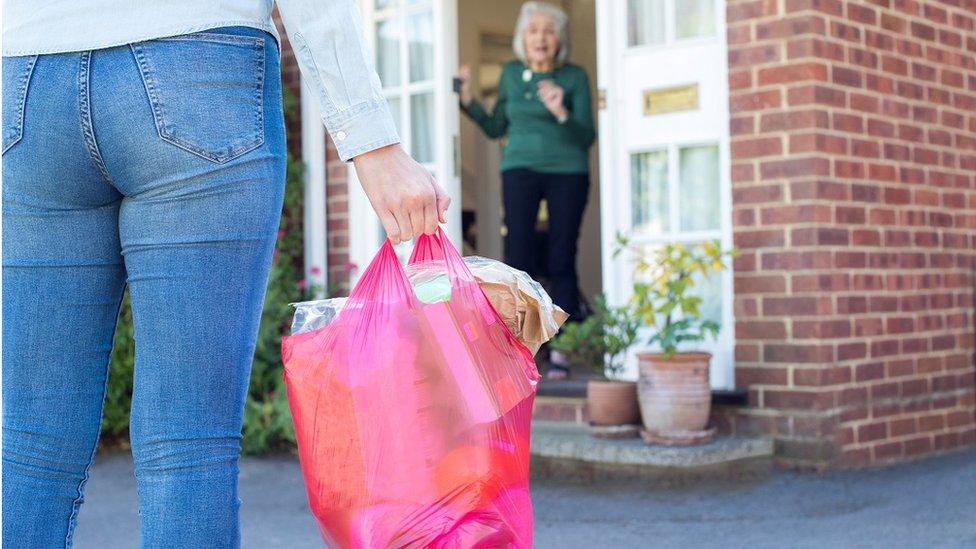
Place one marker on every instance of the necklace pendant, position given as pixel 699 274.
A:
pixel 528 95
pixel 526 75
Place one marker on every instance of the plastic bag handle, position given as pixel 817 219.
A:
pixel 384 279
pixel 439 246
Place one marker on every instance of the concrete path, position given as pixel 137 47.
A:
pixel 928 504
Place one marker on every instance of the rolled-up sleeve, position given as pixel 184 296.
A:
pixel 327 37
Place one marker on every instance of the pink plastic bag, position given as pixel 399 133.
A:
pixel 413 419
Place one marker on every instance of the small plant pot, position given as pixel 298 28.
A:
pixel 674 395
pixel 612 402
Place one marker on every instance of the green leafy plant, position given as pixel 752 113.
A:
pixel 601 339
pixel 664 295
pixel 118 392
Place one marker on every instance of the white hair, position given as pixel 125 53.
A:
pixel 558 16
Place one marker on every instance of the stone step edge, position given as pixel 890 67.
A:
pixel 568 441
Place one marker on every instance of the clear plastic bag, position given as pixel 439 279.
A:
pixel 413 418
pixel 520 301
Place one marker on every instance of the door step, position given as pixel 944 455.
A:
pixel 563 449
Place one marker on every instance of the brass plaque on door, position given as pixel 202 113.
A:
pixel 673 99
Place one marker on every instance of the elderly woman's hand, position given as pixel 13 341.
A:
pixel 552 97
pixel 465 95
pixel 402 192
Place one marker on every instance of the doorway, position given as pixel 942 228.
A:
pixel 484 39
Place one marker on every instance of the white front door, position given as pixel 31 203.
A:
pixel 415 52
pixel 664 143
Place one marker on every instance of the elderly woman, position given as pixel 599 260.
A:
pixel 543 108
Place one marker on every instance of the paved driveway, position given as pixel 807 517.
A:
pixel 926 504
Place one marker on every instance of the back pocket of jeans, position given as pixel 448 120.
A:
pixel 16 78
pixel 206 91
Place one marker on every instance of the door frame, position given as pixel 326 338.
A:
pixel 314 222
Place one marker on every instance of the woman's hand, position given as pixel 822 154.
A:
pixel 552 97
pixel 464 74
pixel 402 192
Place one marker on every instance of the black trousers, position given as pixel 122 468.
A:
pixel 566 195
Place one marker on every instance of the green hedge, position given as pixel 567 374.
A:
pixel 267 418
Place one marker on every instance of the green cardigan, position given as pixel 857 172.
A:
pixel 536 139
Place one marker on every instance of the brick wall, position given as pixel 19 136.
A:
pixel 853 129
pixel 337 219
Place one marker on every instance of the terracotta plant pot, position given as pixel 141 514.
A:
pixel 612 402
pixel 674 394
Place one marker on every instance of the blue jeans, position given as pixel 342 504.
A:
pixel 158 165
pixel 566 195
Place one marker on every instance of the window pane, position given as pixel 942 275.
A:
pixel 421 131
pixel 694 18
pixel 645 22
pixel 421 46
pixel 395 111
pixel 698 188
pixel 388 52
pixel 709 288
pixel 649 192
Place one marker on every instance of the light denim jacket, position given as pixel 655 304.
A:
pixel 327 37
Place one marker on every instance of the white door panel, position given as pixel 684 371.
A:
pixel 669 170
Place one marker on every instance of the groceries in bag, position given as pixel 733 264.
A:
pixel 413 418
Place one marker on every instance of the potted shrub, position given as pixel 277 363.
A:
pixel 600 342
pixel 674 393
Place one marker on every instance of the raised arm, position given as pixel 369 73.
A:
pixel 495 124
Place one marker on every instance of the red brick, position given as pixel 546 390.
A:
pixel 759 284
pixel 872 431
pixel 753 148
pixel 747 377
pixel 789 27
pixel 789 306
pixel 799 72
pixel 799 353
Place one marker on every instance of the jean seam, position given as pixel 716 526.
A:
pixel 145 70
pixel 76 504
pixel 22 87
pixel 84 108
pixel 217 37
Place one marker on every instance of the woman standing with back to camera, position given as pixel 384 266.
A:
pixel 543 108
pixel 144 145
